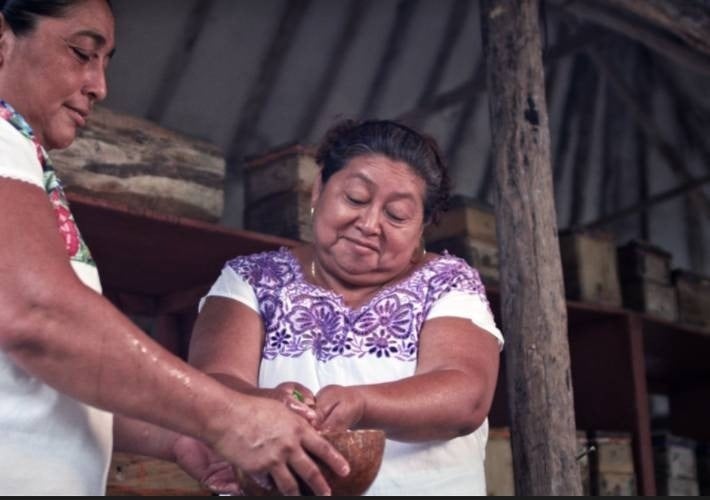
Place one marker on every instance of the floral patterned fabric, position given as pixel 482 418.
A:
pixel 73 242
pixel 300 317
pixel 313 337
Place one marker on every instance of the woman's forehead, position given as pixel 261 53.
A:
pixel 92 19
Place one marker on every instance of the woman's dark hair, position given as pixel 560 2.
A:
pixel 350 139
pixel 22 15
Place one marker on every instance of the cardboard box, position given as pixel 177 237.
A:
pixel 652 298
pixel 278 192
pixel 693 298
pixel 641 261
pixel 500 480
pixel 674 456
pixel 589 267
pixel 468 230
pixel 611 466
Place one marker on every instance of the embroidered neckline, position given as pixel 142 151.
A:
pixel 73 241
pixel 295 265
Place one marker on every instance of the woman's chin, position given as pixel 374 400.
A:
pixel 60 140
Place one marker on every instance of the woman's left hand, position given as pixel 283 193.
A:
pixel 204 465
pixel 339 408
pixel 297 398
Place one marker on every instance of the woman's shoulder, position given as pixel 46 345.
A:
pixel 449 272
pixel 18 156
pixel 270 268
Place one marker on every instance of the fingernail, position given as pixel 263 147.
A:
pixel 346 470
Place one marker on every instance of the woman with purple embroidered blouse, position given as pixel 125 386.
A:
pixel 371 329
pixel 76 376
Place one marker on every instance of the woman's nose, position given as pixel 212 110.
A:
pixel 96 86
pixel 369 221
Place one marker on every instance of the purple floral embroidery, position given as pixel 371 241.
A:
pixel 300 317
pixel 389 315
pixel 381 345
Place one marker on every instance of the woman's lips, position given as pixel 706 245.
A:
pixel 78 115
pixel 363 244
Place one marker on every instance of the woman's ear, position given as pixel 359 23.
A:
pixel 5 33
pixel 316 190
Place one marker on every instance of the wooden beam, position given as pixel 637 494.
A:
pixel 250 113
pixel 656 41
pixel 609 157
pixel 569 122
pixel 644 82
pixel 393 47
pixel 263 84
pixel 486 187
pixel 646 123
pixel 466 114
pixel 452 97
pixel 689 21
pixel 179 59
pixel 688 113
pixel 582 160
pixel 652 201
pixel 354 15
pixel 452 33
pixel 534 315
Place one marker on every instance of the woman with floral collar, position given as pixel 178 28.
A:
pixel 69 360
pixel 363 324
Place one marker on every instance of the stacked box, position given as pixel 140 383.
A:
pixel 589 267
pixel 468 230
pixel 500 480
pixel 611 466
pixel 693 298
pixel 703 457
pixel 278 192
pixel 676 465
pixel 584 453
pixel 646 280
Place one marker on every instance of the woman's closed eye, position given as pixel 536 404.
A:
pixel 396 217
pixel 83 55
pixel 356 200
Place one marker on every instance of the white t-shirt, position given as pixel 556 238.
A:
pixel 453 467
pixel 50 444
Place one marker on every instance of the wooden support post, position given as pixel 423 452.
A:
pixel 533 304
pixel 643 452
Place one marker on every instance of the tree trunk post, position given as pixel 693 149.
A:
pixel 532 291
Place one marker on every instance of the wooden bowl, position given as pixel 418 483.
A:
pixel 362 449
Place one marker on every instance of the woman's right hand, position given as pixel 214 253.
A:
pixel 264 439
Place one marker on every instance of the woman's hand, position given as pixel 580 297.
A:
pixel 200 462
pixel 296 397
pixel 339 408
pixel 265 440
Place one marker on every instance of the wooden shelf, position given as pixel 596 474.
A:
pixel 160 265
pixel 618 357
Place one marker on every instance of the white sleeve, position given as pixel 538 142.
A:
pixel 232 286
pixel 460 304
pixel 18 157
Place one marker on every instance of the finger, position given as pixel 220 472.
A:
pixel 317 446
pixel 311 475
pixel 220 478
pixel 306 394
pixel 285 482
pixel 303 411
pixel 336 420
